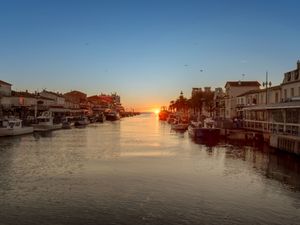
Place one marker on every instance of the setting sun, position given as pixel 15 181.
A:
pixel 156 111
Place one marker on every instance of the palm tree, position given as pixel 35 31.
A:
pixel 209 101
pixel 172 106
pixel 196 102
pixel 181 104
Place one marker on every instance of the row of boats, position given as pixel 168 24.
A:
pixel 197 129
pixel 12 126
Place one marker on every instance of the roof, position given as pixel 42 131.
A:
pixel 275 87
pixel 74 92
pixel 22 94
pixel 258 91
pixel 282 105
pixel 242 83
pixel 53 93
pixel 5 83
pixel 93 97
pixel 251 92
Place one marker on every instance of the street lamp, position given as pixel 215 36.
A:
pixel 267 84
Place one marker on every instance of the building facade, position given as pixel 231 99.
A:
pixel 278 119
pixel 291 85
pixel 234 89
pixel 5 88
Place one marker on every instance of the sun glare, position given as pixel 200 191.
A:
pixel 156 111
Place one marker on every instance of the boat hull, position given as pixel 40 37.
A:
pixel 15 132
pixel 112 117
pixel 67 125
pixel 179 127
pixel 204 132
pixel 81 123
pixel 41 127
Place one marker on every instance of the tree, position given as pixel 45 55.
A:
pixel 181 104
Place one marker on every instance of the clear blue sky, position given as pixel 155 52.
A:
pixel 147 51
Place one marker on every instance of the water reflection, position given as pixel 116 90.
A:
pixel 136 171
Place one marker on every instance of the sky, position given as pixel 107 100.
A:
pixel 146 51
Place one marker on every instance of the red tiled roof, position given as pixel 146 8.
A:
pixel 74 92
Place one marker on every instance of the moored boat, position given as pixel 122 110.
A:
pixel 13 127
pixel 179 125
pixel 45 122
pixel 100 117
pixel 205 130
pixel 163 114
pixel 112 116
pixel 68 122
pixel 82 121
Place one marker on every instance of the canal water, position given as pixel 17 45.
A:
pixel 137 171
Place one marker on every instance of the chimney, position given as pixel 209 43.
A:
pixel 298 64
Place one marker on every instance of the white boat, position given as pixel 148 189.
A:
pixel 179 125
pixel 45 123
pixel 82 121
pixel 12 127
pixel 205 130
pixel 112 116
pixel 68 122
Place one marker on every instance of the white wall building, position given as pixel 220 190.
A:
pixel 5 88
pixel 233 89
pixel 291 84
pixel 59 99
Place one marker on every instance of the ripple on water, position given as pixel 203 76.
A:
pixel 138 171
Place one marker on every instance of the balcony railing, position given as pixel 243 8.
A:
pixel 292 129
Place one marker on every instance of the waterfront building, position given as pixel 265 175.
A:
pixel 5 88
pixel 233 89
pixel 76 97
pixel 195 91
pixel 59 100
pixel 258 97
pixel 279 121
pixel 116 98
pixel 18 103
pixel 219 103
pixel 291 84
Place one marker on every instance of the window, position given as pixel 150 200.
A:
pixel 288 76
pixel 298 91
pixel 285 94
pixel 292 92
pixel 276 97
pixel 296 76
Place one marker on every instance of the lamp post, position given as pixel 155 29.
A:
pixel 267 84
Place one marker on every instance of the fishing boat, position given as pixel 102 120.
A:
pixel 163 113
pixel 45 122
pixel 171 119
pixel 92 119
pixel 100 118
pixel 204 130
pixel 179 125
pixel 12 127
pixel 68 122
pixel 82 121
pixel 112 116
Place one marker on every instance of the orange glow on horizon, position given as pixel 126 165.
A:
pixel 156 111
